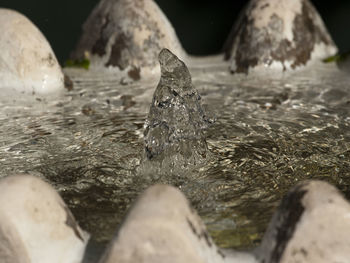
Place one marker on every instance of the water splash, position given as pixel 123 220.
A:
pixel 174 128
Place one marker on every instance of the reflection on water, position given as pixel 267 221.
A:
pixel 270 132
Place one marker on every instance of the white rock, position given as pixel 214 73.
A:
pixel 162 227
pixel 127 35
pixel 312 225
pixel 277 34
pixel 35 224
pixel 27 62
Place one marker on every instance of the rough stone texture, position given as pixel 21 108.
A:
pixel 27 62
pixel 311 225
pixel 126 34
pixel 279 34
pixel 35 224
pixel 162 227
pixel 176 120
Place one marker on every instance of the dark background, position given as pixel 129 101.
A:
pixel 202 25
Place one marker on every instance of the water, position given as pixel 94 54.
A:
pixel 270 132
pixel 174 139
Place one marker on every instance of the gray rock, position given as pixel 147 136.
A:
pixel 162 227
pixel 127 35
pixel 35 224
pixel 311 225
pixel 277 34
pixel 27 63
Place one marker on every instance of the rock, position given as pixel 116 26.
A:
pixel 27 62
pixel 162 227
pixel 35 224
pixel 127 35
pixel 176 120
pixel 277 34
pixel 311 225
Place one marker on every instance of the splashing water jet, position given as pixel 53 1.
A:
pixel 174 128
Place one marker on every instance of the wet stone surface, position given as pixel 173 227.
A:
pixel 282 34
pixel 27 63
pixel 126 35
pixel 310 225
pixel 270 133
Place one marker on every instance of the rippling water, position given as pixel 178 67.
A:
pixel 271 131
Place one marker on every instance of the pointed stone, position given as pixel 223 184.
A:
pixel 311 225
pixel 126 34
pixel 176 120
pixel 277 34
pixel 27 62
pixel 162 227
pixel 35 224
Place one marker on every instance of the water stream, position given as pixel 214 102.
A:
pixel 271 131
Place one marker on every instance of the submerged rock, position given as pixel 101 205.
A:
pixel 162 227
pixel 279 34
pixel 176 120
pixel 27 62
pixel 126 34
pixel 35 224
pixel 311 225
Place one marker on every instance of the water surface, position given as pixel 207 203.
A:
pixel 271 131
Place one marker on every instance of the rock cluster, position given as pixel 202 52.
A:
pixel 127 36
pixel 311 225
